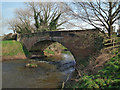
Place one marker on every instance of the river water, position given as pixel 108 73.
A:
pixel 46 75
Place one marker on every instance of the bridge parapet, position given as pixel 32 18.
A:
pixel 81 43
pixel 56 33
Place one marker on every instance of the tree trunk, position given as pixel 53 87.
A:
pixel 109 33
pixel 110 20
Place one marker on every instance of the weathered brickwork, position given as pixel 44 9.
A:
pixel 81 43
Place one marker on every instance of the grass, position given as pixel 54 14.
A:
pixel 108 77
pixel 49 52
pixel 12 48
pixel 53 48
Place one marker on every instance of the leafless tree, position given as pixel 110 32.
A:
pixel 11 24
pixel 24 18
pixel 97 14
pixel 39 17
pixel 22 22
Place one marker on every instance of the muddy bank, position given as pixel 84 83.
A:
pixel 16 57
pixel 12 50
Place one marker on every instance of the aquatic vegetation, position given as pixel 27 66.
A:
pixel 31 65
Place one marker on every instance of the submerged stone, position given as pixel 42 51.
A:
pixel 31 65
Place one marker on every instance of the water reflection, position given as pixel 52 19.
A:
pixel 46 75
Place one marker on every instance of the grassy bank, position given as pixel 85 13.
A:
pixel 54 49
pixel 12 49
pixel 106 77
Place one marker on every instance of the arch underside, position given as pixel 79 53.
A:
pixel 39 47
pixel 80 55
pixel 82 45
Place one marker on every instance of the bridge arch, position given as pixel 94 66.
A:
pixel 83 44
pixel 40 46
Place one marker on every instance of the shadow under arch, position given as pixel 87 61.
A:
pixel 38 47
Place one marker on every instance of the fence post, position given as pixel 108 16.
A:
pixel 18 37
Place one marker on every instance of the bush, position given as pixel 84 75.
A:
pixel 108 77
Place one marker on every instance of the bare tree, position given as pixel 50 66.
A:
pixel 11 24
pixel 38 16
pixel 22 22
pixel 97 14
pixel 46 15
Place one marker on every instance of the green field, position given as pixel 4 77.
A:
pixel 12 48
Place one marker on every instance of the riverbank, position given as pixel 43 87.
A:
pixel 12 49
pixel 107 77
pixel 104 73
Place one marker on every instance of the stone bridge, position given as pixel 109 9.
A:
pixel 81 43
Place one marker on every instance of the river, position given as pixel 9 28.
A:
pixel 46 75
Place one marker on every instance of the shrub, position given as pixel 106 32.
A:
pixel 108 77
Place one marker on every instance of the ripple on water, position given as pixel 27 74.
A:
pixel 16 75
